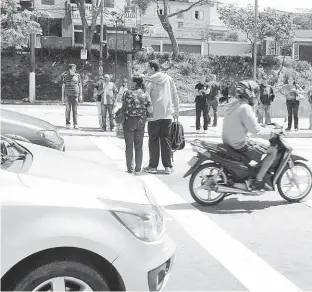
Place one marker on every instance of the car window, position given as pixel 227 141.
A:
pixel 14 157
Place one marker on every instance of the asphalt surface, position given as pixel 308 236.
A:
pixel 243 244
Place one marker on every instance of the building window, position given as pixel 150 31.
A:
pixel 180 24
pixel 109 3
pixel 78 36
pixel 198 15
pixel 48 2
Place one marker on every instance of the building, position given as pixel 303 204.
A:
pixel 302 47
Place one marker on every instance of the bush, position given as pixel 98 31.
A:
pixel 185 68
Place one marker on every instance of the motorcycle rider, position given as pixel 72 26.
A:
pixel 239 120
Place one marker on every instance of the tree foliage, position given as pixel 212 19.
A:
pixel 303 20
pixel 17 26
pixel 271 23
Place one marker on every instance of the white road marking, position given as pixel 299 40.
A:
pixel 308 203
pixel 253 272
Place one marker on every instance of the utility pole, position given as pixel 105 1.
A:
pixel 101 39
pixel 255 42
pixel 32 74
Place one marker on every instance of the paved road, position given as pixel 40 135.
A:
pixel 243 244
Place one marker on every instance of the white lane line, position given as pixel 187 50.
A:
pixel 253 272
pixel 308 203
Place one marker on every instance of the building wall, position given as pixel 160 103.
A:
pixel 226 48
pixel 190 24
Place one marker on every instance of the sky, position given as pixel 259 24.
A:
pixel 285 5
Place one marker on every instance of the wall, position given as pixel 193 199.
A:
pixel 226 48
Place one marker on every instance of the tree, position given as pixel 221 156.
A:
pixel 17 26
pixel 96 6
pixel 164 16
pixel 303 20
pixel 271 23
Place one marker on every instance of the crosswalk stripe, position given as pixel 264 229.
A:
pixel 253 272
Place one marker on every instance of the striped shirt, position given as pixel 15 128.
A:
pixel 72 84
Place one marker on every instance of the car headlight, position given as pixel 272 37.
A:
pixel 145 222
pixel 50 135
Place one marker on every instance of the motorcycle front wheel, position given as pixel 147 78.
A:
pixel 295 183
pixel 202 181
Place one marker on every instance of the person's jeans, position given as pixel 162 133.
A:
pixel 292 109
pixel 71 104
pixel 107 108
pixel 264 110
pixel 201 107
pixel 214 105
pixel 134 134
pixel 99 111
pixel 160 137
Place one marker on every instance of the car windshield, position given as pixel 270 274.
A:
pixel 14 157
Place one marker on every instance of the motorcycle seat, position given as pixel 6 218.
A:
pixel 227 151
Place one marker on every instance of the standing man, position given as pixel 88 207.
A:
pixel 165 101
pixel 98 99
pixel 212 98
pixel 108 90
pixel 266 98
pixel 201 106
pixel 71 93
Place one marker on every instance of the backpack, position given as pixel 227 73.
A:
pixel 177 136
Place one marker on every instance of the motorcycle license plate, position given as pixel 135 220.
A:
pixel 193 161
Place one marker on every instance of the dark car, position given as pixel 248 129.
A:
pixel 34 130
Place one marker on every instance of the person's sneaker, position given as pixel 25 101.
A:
pixel 296 130
pixel 168 170
pixel 68 127
pixel 130 171
pixel 288 129
pixel 150 170
pixel 205 131
pixel 76 127
pixel 257 185
pixel 198 131
pixel 137 172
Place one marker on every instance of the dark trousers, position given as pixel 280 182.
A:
pixel 160 138
pixel 201 107
pixel 107 108
pixel 134 134
pixel 71 104
pixel 214 105
pixel 292 109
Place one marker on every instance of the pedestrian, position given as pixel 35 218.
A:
pixel 212 98
pixel 292 90
pixel 266 98
pixel 165 101
pixel 137 108
pixel 108 91
pixel 71 94
pixel 201 106
pixel 225 93
pixel 310 102
pixel 123 88
pixel 98 99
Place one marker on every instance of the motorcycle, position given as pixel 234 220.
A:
pixel 221 170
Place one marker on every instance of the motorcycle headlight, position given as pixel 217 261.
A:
pixel 144 221
pixel 51 136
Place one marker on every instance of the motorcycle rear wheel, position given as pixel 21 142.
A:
pixel 222 178
pixel 294 182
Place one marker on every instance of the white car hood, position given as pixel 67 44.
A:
pixel 59 170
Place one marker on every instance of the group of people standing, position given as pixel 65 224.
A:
pixel 153 99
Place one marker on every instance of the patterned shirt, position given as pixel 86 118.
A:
pixel 137 103
pixel 72 84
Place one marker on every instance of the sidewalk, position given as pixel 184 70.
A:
pixel 88 120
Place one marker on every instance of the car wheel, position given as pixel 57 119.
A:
pixel 67 275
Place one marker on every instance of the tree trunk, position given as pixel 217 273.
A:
pixel 164 20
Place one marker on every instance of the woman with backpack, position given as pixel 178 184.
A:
pixel 137 107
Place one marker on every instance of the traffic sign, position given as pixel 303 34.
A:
pixel 83 54
pixel 130 16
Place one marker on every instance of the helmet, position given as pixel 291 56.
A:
pixel 248 89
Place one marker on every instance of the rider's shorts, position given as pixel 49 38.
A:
pixel 253 150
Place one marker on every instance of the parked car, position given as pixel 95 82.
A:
pixel 35 130
pixel 61 234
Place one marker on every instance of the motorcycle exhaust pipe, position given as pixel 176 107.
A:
pixel 224 189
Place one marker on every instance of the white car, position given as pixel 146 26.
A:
pixel 58 235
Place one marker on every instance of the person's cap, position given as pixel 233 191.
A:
pixel 72 66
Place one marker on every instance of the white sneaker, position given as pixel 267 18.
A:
pixel 205 131
pixel 198 131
